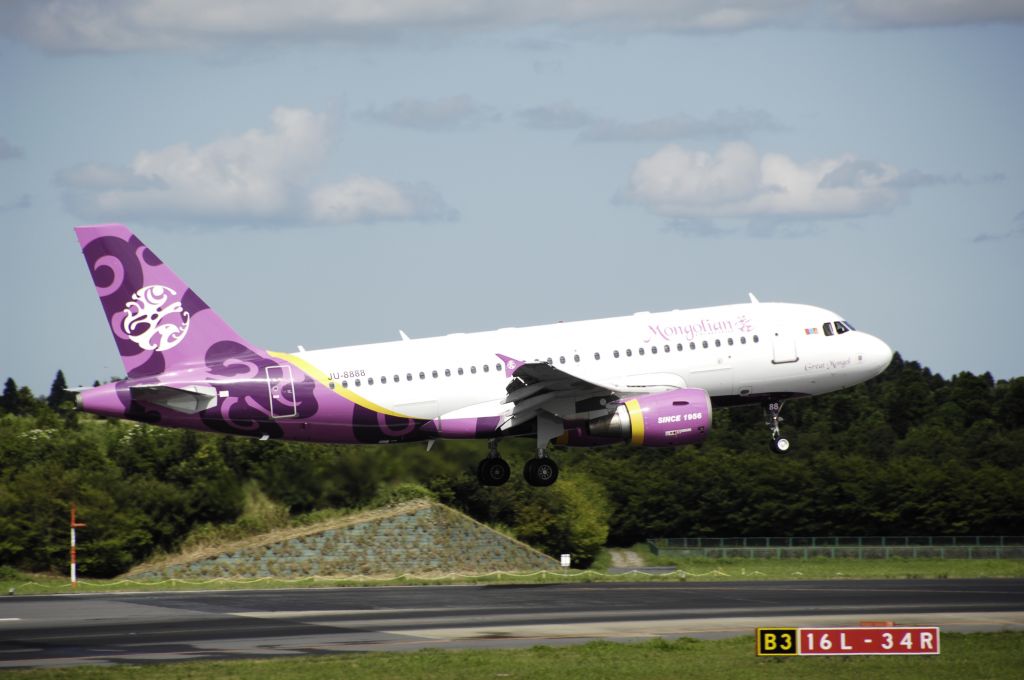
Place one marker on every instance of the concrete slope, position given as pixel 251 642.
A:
pixel 418 537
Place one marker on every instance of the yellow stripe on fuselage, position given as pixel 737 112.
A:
pixel 321 377
pixel 636 421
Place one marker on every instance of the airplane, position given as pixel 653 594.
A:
pixel 649 379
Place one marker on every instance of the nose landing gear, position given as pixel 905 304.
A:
pixel 772 409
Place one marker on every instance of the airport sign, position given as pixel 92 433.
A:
pixel 849 641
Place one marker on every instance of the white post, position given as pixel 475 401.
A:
pixel 74 555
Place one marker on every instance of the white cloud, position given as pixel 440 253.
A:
pixel 561 115
pixel 565 115
pixel 1015 231
pixel 907 13
pixel 446 113
pixel 739 182
pixel 116 25
pixel 368 199
pixel 720 124
pixel 257 176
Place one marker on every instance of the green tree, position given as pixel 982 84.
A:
pixel 9 399
pixel 59 395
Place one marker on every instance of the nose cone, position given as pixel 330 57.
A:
pixel 877 354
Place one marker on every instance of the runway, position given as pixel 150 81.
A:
pixel 62 630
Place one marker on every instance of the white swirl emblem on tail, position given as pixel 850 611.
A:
pixel 144 315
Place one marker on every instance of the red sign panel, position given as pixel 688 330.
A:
pixel 895 640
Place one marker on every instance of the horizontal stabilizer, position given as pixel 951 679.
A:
pixel 190 399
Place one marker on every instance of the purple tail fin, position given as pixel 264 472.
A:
pixel 159 323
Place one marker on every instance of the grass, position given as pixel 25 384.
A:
pixel 695 570
pixel 741 568
pixel 977 655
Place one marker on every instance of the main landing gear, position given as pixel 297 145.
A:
pixel 772 409
pixel 540 471
pixel 494 470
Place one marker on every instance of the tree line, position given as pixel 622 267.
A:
pixel 909 452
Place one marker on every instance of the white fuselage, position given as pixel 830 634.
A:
pixel 738 353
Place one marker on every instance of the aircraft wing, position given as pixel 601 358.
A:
pixel 537 386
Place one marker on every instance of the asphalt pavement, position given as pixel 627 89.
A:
pixel 61 630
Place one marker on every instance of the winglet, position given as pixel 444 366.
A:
pixel 510 364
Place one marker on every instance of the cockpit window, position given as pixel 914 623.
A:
pixel 828 328
pixel 841 327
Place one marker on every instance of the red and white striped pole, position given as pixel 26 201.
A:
pixel 74 555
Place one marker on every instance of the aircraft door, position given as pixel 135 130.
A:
pixel 783 348
pixel 282 392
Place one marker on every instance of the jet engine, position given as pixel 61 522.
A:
pixel 672 418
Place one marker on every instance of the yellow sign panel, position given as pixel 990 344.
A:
pixel 777 642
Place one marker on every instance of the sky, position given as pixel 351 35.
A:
pixel 327 173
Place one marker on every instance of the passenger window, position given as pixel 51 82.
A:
pixel 654 349
pixel 561 360
pixel 629 352
pixel 383 380
pixel 497 367
pixel 447 372
pixel 396 378
pixel 730 342
pixel 460 371
pixel 408 376
pixel 434 373
pixel 472 369
pixel 668 348
pixel 679 347
pixel 576 358
pixel 369 381
pixel 718 343
pixel 344 383
pixel 357 382
pixel 743 339
pixel 615 354
pixel 827 328
pixel 597 356
pixel 422 376
pixel 693 345
pixel 705 344
pixel 487 368
pixel 755 338
pixel 640 351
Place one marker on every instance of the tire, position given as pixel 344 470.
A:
pixel 780 445
pixel 540 472
pixel 493 472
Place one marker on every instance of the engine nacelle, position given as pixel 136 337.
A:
pixel 671 418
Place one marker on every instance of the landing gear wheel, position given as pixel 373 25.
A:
pixel 772 418
pixel 540 472
pixel 493 471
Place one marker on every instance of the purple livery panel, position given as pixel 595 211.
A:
pixel 173 344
